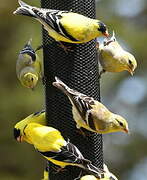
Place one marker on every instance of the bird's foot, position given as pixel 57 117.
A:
pixel 79 131
pixel 59 169
pixel 66 48
pixel 84 134
pixel 39 47
pixel 101 72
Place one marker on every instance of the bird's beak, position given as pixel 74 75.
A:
pixel 19 139
pixel 126 131
pixel 106 34
pixel 131 72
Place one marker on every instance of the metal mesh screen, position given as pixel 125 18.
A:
pixel 79 69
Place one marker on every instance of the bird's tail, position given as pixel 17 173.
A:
pixel 29 50
pixel 97 172
pixel 62 86
pixel 25 10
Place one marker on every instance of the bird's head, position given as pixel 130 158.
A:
pixel 17 135
pixel 103 29
pixel 19 130
pixel 29 80
pixel 120 123
pixel 131 63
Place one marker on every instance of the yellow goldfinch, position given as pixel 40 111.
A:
pixel 38 117
pixel 113 58
pixel 65 26
pixel 106 176
pixel 91 114
pixel 49 142
pixel 28 66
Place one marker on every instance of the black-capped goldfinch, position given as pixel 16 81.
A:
pixel 65 26
pixel 106 176
pixel 50 143
pixel 28 66
pixel 113 58
pixel 37 117
pixel 91 114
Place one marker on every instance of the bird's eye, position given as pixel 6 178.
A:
pixel 120 123
pixel 130 62
pixel 32 79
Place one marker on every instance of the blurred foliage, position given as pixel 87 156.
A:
pixel 122 153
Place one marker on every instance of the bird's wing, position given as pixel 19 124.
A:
pixel 38 113
pixel 52 19
pixel 68 154
pixel 82 103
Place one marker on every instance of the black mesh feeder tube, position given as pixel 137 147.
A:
pixel 79 70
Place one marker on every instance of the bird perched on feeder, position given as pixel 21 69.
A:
pixel 113 58
pixel 106 176
pixel 65 26
pixel 28 66
pixel 49 142
pixel 91 114
pixel 37 117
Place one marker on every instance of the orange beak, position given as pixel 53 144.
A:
pixel 131 72
pixel 20 139
pixel 106 34
pixel 126 131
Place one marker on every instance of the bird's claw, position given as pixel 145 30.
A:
pixel 59 169
pixel 101 72
pixel 66 48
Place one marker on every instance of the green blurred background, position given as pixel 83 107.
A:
pixel 125 155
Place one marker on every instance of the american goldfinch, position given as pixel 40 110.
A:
pixel 49 142
pixel 28 66
pixel 65 26
pixel 113 58
pixel 91 114
pixel 106 176
pixel 37 117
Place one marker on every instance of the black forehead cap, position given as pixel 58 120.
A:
pixel 102 27
pixel 16 133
